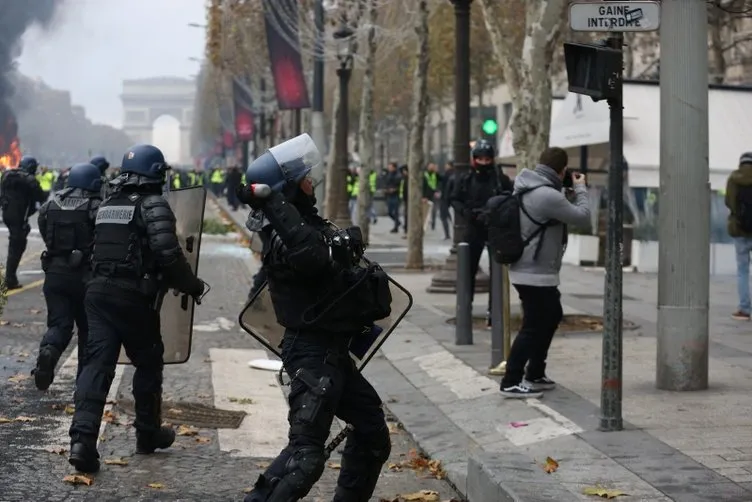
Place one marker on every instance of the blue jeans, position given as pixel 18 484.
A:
pixel 743 248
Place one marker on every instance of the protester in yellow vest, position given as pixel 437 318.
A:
pixel 46 179
pixel 217 181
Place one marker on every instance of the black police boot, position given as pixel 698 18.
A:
pixel 147 442
pixel 11 266
pixel 44 373
pixel 84 456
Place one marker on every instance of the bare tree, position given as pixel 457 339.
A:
pixel 527 66
pixel 367 132
pixel 416 155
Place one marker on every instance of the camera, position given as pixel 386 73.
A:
pixel 568 181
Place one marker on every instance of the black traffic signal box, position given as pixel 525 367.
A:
pixel 594 70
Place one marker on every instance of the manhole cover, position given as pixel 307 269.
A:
pixel 599 296
pixel 572 323
pixel 195 414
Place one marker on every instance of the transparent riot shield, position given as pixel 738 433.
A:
pixel 176 315
pixel 260 321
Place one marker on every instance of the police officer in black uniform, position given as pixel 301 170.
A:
pixel 135 260
pixel 471 192
pixel 309 267
pixel 102 164
pixel 19 195
pixel 66 223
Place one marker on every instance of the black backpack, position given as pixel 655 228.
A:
pixel 744 208
pixel 502 216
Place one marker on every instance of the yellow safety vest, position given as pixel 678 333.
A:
pixel 352 185
pixel 402 188
pixel 176 181
pixel 217 176
pixel 45 181
pixel 372 178
pixel 432 179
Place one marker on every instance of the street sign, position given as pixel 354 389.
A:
pixel 615 16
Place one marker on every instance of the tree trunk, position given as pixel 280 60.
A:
pixel 528 73
pixel 333 178
pixel 366 133
pixel 718 59
pixel 416 152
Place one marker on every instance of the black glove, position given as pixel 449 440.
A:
pixel 357 245
pixel 347 246
pixel 197 289
pixel 246 196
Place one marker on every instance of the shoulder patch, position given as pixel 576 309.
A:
pixel 118 215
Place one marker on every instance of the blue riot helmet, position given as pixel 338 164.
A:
pixel 145 160
pixel 85 177
pixel 100 163
pixel 288 162
pixel 28 165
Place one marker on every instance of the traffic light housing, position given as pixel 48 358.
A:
pixel 594 70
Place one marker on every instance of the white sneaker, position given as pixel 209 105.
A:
pixel 520 391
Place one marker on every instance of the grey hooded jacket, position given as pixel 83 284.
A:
pixel 545 204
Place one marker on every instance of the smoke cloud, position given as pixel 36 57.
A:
pixel 16 16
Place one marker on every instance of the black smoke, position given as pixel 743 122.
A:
pixel 17 16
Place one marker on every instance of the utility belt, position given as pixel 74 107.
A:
pixel 126 277
pixel 74 259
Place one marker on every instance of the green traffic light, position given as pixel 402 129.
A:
pixel 490 126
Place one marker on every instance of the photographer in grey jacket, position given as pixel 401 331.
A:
pixel 536 275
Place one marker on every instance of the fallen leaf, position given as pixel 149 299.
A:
pixel 334 465
pixel 421 496
pixel 115 461
pixel 102 438
pixel 187 430
pixel 23 354
pixel 550 466
pixel 203 440
pixel 22 418
pixel 5 420
pixel 78 479
pixel 58 450
pixel 175 411
pixel 241 400
pixel 518 424
pixel 394 428
pixel 69 409
pixel 262 465
pixel 112 402
pixel 421 463
pixel 394 467
pixel 18 378
pixel 110 417
pixel 598 491
pixel 4 323
pixel 18 325
pixel 247 490
pixel 35 311
pixel 156 486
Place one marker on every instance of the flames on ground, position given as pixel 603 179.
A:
pixel 10 148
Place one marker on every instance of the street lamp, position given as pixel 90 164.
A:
pixel 345 40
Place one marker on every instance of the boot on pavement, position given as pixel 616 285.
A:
pixel 84 456
pixel 44 373
pixel 147 442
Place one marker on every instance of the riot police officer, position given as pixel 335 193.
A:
pixel 471 192
pixel 66 223
pixel 311 269
pixel 19 195
pixel 136 258
pixel 102 164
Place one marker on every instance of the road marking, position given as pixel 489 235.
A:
pixel 65 382
pixel 25 288
pixel 30 272
pixel 263 432
pixel 461 379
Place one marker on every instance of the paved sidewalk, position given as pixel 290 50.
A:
pixel 676 446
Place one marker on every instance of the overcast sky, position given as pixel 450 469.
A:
pixel 97 43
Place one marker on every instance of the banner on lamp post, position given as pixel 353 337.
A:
pixel 244 120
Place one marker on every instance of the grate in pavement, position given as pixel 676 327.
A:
pixel 598 296
pixel 195 414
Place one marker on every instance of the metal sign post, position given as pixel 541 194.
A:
pixel 596 70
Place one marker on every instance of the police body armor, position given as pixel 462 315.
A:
pixel 69 234
pixel 330 305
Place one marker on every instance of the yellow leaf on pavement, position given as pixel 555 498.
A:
pixel 69 409
pixel 262 465
pixel 421 496
pixel 599 491
pixel 203 440
pixel 78 479
pixel 18 378
pixel 334 465
pixel 187 430
pixel 394 428
pixel 5 420
pixel 115 461
pixel 156 486
pixel 4 322
pixel 22 418
pixel 34 311
pixel 110 417
pixel 550 466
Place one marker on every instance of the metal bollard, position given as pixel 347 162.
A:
pixel 463 334
pixel 497 329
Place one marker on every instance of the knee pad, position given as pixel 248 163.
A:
pixel 302 470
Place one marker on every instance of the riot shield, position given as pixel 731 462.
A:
pixel 176 314
pixel 260 321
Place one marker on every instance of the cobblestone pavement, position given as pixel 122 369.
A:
pixel 213 466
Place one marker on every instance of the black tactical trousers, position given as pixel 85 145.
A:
pixel 119 317
pixel 341 391
pixel 64 295
pixel 18 231
pixel 477 245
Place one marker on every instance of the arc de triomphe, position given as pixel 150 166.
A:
pixel 145 100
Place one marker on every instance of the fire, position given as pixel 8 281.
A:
pixel 11 159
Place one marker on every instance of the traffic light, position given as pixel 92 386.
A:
pixel 490 126
pixel 593 69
